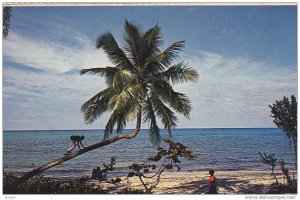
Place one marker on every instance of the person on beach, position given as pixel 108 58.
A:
pixel 212 183
pixel 75 140
pixel 97 174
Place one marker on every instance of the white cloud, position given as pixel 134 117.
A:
pixel 235 92
pixel 50 99
pixel 231 91
pixel 46 100
pixel 53 56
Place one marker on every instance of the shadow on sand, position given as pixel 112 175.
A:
pixel 232 186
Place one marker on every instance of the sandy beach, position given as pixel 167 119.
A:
pixel 230 182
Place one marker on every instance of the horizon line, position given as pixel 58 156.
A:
pixel 120 3
pixel 94 129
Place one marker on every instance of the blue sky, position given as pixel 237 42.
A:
pixel 246 57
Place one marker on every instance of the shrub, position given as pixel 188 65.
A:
pixel 42 185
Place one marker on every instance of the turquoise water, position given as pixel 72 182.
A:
pixel 219 149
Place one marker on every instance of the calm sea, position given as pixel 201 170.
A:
pixel 219 149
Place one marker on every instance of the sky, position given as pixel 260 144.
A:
pixel 246 57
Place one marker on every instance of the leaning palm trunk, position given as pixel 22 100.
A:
pixel 140 84
pixel 78 153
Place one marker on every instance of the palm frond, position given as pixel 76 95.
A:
pixel 154 133
pixel 157 63
pixel 97 105
pixel 133 43
pixel 178 101
pixel 107 72
pixel 152 40
pixel 171 53
pixel 99 71
pixel 125 106
pixel 121 123
pixel 110 125
pixel 131 95
pixel 149 116
pixel 115 54
pixel 152 66
pixel 179 73
pixel 166 115
pixel 122 78
pixel 119 118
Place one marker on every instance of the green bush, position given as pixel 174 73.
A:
pixel 130 191
pixel 42 185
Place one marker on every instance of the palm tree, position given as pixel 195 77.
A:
pixel 139 85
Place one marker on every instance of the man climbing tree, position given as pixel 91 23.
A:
pixel 139 88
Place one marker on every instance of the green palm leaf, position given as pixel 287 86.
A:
pixel 133 43
pixel 166 115
pixel 152 67
pixel 152 40
pixel 149 117
pixel 159 62
pixel 122 78
pixel 176 100
pixel 179 73
pixel 96 106
pixel 119 117
pixel 171 53
pixel 110 124
pixel 131 95
pixel 115 54
pixel 108 73
pixel 141 78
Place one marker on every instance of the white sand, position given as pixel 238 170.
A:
pixel 230 182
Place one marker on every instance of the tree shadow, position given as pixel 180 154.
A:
pixel 226 186
pixel 238 186
pixel 197 187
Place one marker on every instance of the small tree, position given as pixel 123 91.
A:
pixel 271 161
pixel 169 159
pixel 101 174
pixel 284 113
pixel 285 171
pixel 6 20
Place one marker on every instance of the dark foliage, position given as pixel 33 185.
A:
pixel 101 174
pixel 284 113
pixel 283 189
pixel 42 185
pixel 140 82
pixel 291 182
pixel 268 159
pixel 168 158
pixel 271 161
pixel 130 191
pixel 6 20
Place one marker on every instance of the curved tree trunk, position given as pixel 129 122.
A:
pixel 80 152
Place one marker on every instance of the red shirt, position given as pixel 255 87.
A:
pixel 212 178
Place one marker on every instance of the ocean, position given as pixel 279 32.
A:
pixel 216 148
